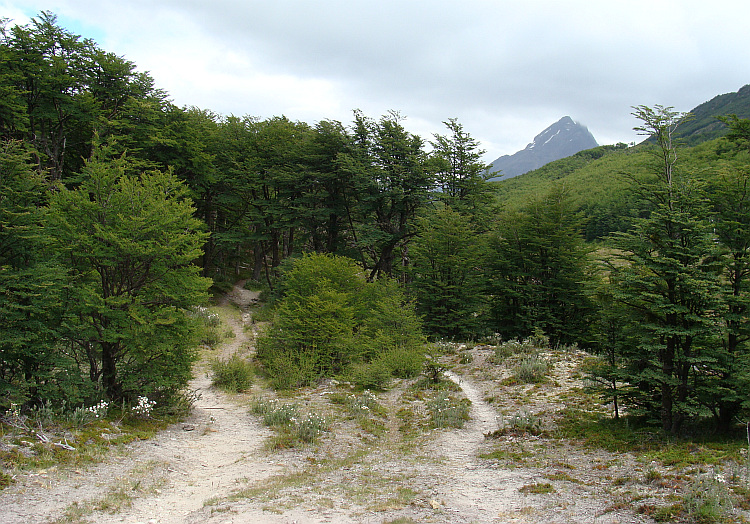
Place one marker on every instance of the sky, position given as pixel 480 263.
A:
pixel 505 69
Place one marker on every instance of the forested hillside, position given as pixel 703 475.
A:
pixel 119 210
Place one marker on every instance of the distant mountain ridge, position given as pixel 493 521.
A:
pixel 560 140
pixel 705 126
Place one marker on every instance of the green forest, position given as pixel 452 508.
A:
pixel 122 214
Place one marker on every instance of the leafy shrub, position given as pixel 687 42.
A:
pixel 329 318
pixel 372 375
pixel 404 362
pixel 233 375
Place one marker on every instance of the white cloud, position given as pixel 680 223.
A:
pixel 505 69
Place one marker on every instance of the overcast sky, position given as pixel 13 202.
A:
pixel 505 69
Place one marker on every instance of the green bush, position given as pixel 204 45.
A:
pixel 372 375
pixel 233 375
pixel 404 362
pixel 329 319
pixel 448 412
pixel 708 501
pixel 531 369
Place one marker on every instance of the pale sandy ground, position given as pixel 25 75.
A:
pixel 189 472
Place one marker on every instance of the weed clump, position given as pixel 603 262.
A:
pixel 292 427
pixel 448 412
pixel 233 375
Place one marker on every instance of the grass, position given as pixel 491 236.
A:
pixel 69 445
pixel 233 375
pixel 448 411
pixel 139 481
pixel 539 488
pixel 531 369
pixel 292 429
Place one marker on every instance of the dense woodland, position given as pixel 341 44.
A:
pixel 119 211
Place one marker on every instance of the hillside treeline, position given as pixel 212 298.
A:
pixel 118 210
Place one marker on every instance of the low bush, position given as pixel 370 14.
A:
pixel 448 412
pixel 707 501
pixel 531 369
pixel 233 375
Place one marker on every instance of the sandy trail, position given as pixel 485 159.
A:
pixel 170 476
pixel 189 472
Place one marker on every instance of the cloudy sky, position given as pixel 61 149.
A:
pixel 506 69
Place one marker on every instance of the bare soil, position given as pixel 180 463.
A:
pixel 217 466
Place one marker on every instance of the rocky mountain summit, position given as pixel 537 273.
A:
pixel 562 139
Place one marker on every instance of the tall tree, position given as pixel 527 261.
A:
pixel 460 174
pixel 129 244
pixel 666 279
pixel 387 164
pixel 447 278
pixel 539 266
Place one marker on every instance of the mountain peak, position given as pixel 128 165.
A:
pixel 562 139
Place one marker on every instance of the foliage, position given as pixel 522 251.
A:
pixel 538 263
pixel 448 412
pixel 447 279
pixel 667 282
pixel 708 501
pixel 128 245
pixel 329 318
pixel 233 375
pixel 286 419
pixel 531 369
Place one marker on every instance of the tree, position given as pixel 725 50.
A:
pixel 329 318
pixel 387 165
pixel 446 275
pixel 666 280
pixel 730 203
pixel 33 365
pixel 59 90
pixel 128 244
pixel 460 174
pixel 538 263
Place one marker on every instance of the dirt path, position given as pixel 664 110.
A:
pixel 196 471
pixel 171 475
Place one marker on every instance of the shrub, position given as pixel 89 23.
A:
pixel 281 415
pixel 372 375
pixel 708 501
pixel 448 412
pixel 539 488
pixel 519 423
pixel 531 369
pixel 404 362
pixel 233 375
pixel 329 318
pixel 311 427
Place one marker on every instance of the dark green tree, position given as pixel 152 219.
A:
pixel 447 278
pixel 128 244
pixel 387 166
pixel 539 266
pixel 665 277
pixel 460 174
pixel 33 364
pixel 730 202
